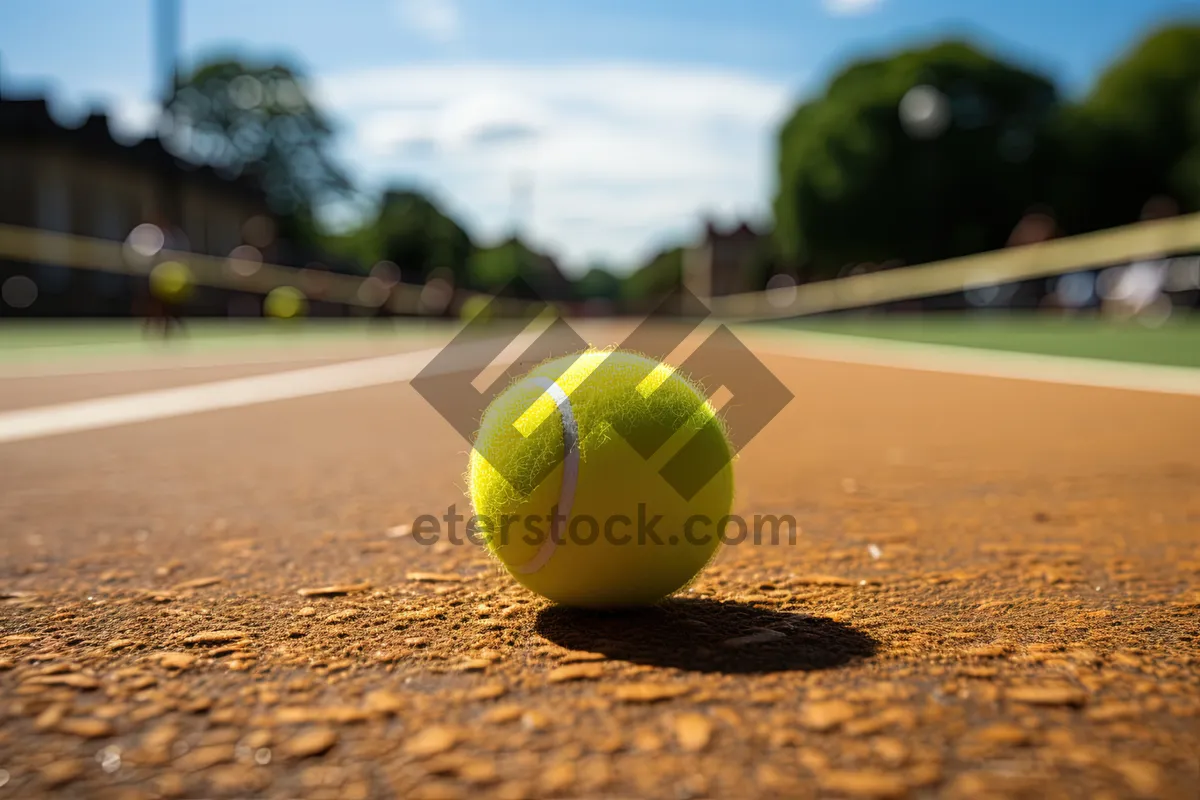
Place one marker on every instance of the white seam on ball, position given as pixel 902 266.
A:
pixel 566 494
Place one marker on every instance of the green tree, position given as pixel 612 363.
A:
pixel 258 120
pixel 492 269
pixel 411 231
pixel 658 277
pixel 1137 133
pixel 598 283
pixel 419 237
pixel 926 154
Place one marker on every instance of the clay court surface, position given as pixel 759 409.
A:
pixel 994 593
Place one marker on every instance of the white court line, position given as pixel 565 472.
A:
pixel 106 363
pixel 107 412
pixel 21 371
pixel 957 360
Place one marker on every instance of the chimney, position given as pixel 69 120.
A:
pixel 96 124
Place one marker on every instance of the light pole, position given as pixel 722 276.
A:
pixel 522 201
pixel 166 47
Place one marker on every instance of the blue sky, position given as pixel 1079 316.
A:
pixel 638 118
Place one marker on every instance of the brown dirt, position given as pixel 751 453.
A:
pixel 994 593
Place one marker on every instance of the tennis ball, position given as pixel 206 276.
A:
pixel 171 281
pixel 622 537
pixel 285 302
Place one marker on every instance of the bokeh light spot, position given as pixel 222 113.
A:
pixel 171 281
pixel 19 291
pixel 285 302
pixel 259 231
pixel 386 272
pixel 781 290
pixel 372 292
pixel 245 260
pixel 474 307
pixel 145 241
pixel 924 112
pixel 1183 275
pixel 1075 289
pixel 246 92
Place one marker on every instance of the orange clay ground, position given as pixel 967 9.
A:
pixel 994 594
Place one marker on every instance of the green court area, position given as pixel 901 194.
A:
pixel 39 340
pixel 1174 343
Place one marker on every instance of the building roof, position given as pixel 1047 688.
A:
pixel 29 120
pixel 742 230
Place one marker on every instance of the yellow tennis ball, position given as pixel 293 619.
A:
pixel 171 281
pixel 285 302
pixel 569 440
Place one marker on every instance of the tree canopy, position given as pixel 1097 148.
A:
pixel 1137 133
pixel 258 119
pixel 926 154
pixel 598 283
pixel 660 275
pixel 495 268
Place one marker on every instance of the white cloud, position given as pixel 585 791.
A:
pixel 435 19
pixel 848 8
pixel 622 155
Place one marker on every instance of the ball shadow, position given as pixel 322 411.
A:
pixel 708 636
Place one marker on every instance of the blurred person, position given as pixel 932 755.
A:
pixel 1139 286
pixel 1038 224
pixel 163 313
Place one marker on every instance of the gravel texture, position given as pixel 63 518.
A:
pixel 994 592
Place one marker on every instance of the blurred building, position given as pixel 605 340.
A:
pixel 723 262
pixel 540 275
pixel 82 180
pixel 544 271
